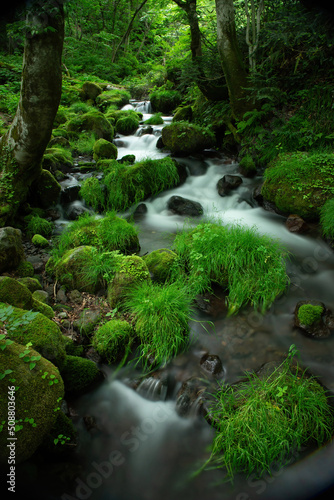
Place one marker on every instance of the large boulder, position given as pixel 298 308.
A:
pixel 36 397
pixel 183 206
pixel 113 97
pixel 90 91
pixel 104 149
pixel 11 248
pixel 56 159
pixel 228 183
pixel 165 100
pixel 184 138
pixel 14 293
pixel 94 121
pixel 159 263
pixel 79 375
pixel 112 339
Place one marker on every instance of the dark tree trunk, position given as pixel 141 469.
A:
pixel 22 148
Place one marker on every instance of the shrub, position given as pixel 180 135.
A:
pixel 161 314
pixel 265 419
pixel 251 266
pixel 38 225
pixel 327 218
pixel 309 314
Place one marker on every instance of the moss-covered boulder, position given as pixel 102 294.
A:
pixel 184 138
pixel 87 321
pixel 108 233
pixel 94 121
pixel 43 308
pixel 127 125
pixel 39 241
pixel 184 113
pixel 113 97
pixel 104 149
pixel 44 334
pixel 35 401
pixel 79 375
pixel 45 190
pixel 14 293
pixel 247 166
pixel 57 159
pixel 69 269
pixel 122 186
pixel 11 248
pixel 165 100
pixel 300 183
pixel 113 339
pixel 25 269
pixel 159 263
pixel 90 90
pixel 131 270
pixel 31 283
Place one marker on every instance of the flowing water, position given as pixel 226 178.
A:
pixel 138 446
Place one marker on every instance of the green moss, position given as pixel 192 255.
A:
pixel 14 293
pixel 72 348
pixel 165 100
pixel 57 159
pixel 40 295
pixel 63 426
pixel 90 90
pixel 69 269
pixel 300 183
pixel 35 400
pixel 31 283
pixel 42 308
pixel 104 149
pixel 131 270
pixel 186 138
pixel 25 269
pixel 44 334
pixel 94 121
pixel 39 241
pixel 247 166
pixel 46 190
pixel 113 339
pixel 183 113
pixel 309 314
pixel 159 263
pixel 115 97
pixel 155 119
pixel 327 218
pixel 38 225
pixel 79 375
pixel 127 125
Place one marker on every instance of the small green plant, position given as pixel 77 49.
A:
pixel 309 314
pixel 327 218
pixel 11 323
pixel 53 378
pixel 161 315
pixel 38 225
pixel 61 439
pixel 264 419
pixel 27 358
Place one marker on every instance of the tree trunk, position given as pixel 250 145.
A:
pixel 231 60
pixel 22 148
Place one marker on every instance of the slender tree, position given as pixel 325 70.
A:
pixel 231 59
pixel 22 148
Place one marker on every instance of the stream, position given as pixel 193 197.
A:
pixel 140 447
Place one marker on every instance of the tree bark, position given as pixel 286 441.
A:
pixel 22 148
pixel 231 59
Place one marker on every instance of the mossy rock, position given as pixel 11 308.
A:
pixel 108 233
pixel 165 100
pixel 113 97
pixel 113 339
pixel 45 190
pixel 79 375
pixel 43 308
pixel 56 159
pixel 184 113
pixel 57 142
pixel 39 241
pixel 15 293
pixel 87 321
pixel 35 401
pixel 11 248
pixel 41 296
pixel 64 427
pixel 25 269
pixel 308 314
pixel 44 334
pixel 72 348
pixel 183 138
pixel 31 283
pixel 159 263
pixel 300 183
pixel 247 166
pixel 127 125
pixel 90 90
pixel 94 121
pixel 129 159
pixel 69 268
pixel 104 149
pixel 38 225
pixel 131 271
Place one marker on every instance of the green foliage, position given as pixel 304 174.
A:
pixel 266 419
pixel 165 101
pixel 309 314
pixel 127 125
pixel 84 144
pixel 249 265
pixel 122 186
pixel 113 339
pixel 155 119
pixel 327 218
pixel 161 319
pixel 38 225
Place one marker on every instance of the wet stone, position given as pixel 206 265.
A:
pixel 228 183
pixel 183 206
pixel 212 364
pixel 319 329
pixel 295 224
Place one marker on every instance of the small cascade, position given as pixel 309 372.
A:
pixel 144 107
pixel 153 389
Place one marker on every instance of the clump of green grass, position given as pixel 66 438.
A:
pixel 155 119
pixel 327 218
pixel 38 225
pixel 309 314
pixel 161 319
pixel 113 339
pixel 249 265
pixel 84 144
pixel 265 419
